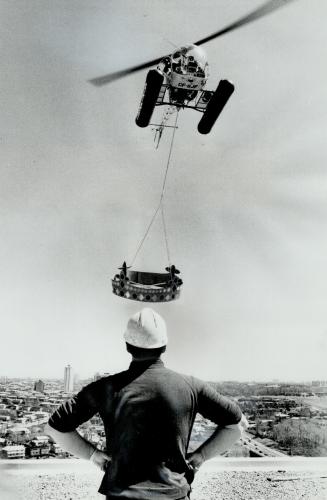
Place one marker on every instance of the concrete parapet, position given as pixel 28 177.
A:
pixel 268 478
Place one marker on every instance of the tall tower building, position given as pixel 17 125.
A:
pixel 68 379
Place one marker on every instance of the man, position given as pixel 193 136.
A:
pixel 148 412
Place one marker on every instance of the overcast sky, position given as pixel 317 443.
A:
pixel 246 205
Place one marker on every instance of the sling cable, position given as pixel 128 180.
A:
pixel 150 286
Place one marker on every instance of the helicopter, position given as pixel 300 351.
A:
pixel 179 81
pixel 180 78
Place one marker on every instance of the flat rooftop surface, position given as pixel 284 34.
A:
pixel 222 479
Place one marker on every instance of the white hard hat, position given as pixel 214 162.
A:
pixel 146 329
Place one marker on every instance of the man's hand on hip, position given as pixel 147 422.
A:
pixel 100 459
pixel 194 461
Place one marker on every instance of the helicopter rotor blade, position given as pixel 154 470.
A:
pixel 111 77
pixel 261 11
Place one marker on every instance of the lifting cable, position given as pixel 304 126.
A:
pixel 160 205
pixel 165 233
pixel 159 130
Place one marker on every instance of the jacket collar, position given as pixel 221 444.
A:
pixel 144 365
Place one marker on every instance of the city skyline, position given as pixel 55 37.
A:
pixel 95 376
pixel 245 205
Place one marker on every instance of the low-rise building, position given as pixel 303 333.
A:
pixel 40 440
pixel 57 450
pixel 13 451
pixel 33 451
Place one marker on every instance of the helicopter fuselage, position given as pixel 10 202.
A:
pixel 185 72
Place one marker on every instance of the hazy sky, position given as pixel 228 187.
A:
pixel 246 206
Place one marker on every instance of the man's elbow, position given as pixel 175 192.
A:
pixel 243 424
pixel 240 427
pixel 50 431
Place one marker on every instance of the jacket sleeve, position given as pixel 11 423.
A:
pixel 217 408
pixel 76 410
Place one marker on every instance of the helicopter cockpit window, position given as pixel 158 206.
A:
pixel 192 65
pixel 177 62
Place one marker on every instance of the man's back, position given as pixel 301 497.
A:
pixel 148 413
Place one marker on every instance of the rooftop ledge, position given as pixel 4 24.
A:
pixel 266 478
pixel 54 465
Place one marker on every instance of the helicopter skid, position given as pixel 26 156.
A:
pixel 151 92
pixel 215 106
